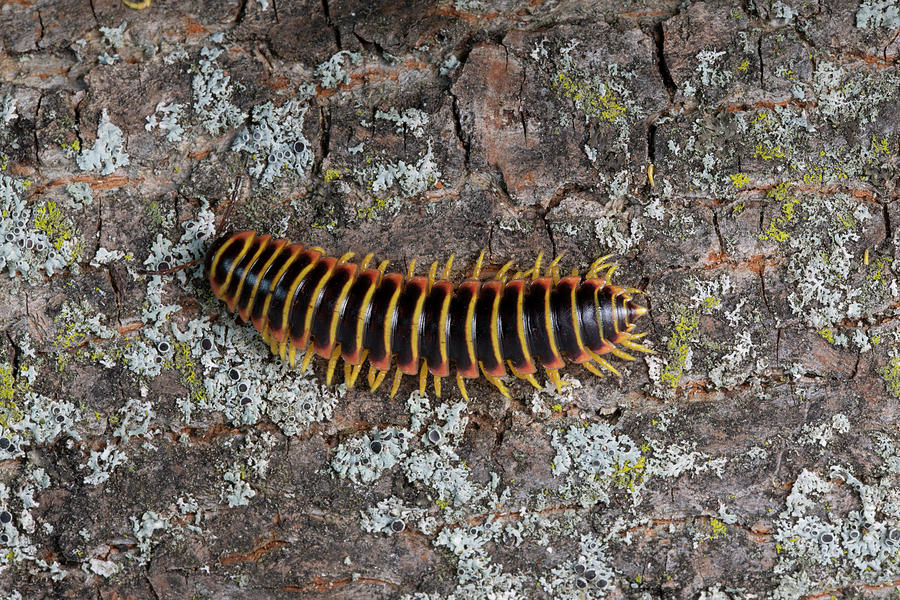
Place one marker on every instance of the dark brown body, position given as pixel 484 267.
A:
pixel 300 299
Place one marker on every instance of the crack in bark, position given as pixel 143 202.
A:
pixel 324 138
pixel 715 220
pixel 334 28
pixel 759 54
pixel 458 129
pixel 661 66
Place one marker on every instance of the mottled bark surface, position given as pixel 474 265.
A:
pixel 739 160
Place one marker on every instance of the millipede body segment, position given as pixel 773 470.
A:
pixel 302 301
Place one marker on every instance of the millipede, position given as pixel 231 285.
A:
pixel 304 302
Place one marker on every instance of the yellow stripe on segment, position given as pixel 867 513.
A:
pixel 469 334
pixel 361 319
pixel 548 325
pixel 388 321
pixel 443 333
pixel 235 262
pixel 275 282
pixel 576 327
pixel 215 261
pixel 495 325
pixel 290 300
pixel 312 303
pixel 520 325
pixel 339 307
pixel 232 302
pixel 416 318
pixel 259 279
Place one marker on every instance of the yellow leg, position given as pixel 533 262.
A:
pixel 411 270
pixel 553 268
pixel 476 273
pixel 383 266
pixel 432 273
pixel 345 258
pixel 636 347
pixel 605 364
pixel 310 352
pixel 348 373
pixel 609 273
pixel 495 381
pixel 553 375
pixel 398 375
pixel 437 386
pixel 354 374
pixel 446 273
pixel 370 377
pixel 596 266
pixel 332 362
pixel 529 378
pixel 380 378
pixel 501 274
pixel 462 386
pixel 292 353
pixel 365 262
pixel 282 349
pixel 590 367
pixel 537 266
pixel 137 5
pixel 423 374
pixel 621 354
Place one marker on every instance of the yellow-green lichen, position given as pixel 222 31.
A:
pixel 739 180
pixel 679 348
pixel 9 410
pixel 331 175
pixel 891 375
pixel 49 220
pixel 827 335
pixel 775 231
pixel 627 476
pixel 184 364
pixel 595 103
pixel 718 529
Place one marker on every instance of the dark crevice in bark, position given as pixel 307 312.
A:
pixel 759 54
pixel 40 37
pixel 549 231
pixel 334 28
pixel 94 13
pixel 458 129
pixel 371 46
pixel 34 131
pixel 715 220
pixel 762 286
pixel 661 65
pixel 888 230
pixel 241 12
pixel 324 138
pixel 13 357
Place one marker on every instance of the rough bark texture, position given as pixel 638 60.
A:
pixel 739 160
